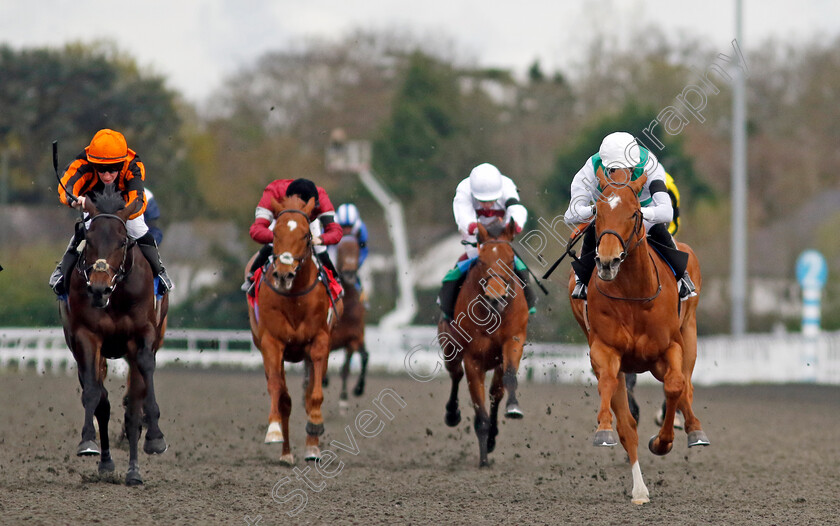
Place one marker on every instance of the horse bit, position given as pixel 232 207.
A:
pixel 101 264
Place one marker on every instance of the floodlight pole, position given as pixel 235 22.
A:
pixel 738 281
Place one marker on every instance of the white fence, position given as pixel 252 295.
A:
pixel 413 350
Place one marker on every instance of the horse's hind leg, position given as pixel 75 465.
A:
pixel 103 415
pixel 456 373
pixel 359 390
pixel 511 356
pixel 696 435
pixel 497 392
pixel 155 443
pixel 627 433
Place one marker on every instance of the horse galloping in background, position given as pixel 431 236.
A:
pixel 291 320
pixel 635 322
pixel 487 333
pixel 111 312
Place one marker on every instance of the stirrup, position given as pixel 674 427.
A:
pixel 579 292
pixel 57 283
pixel 687 289
pixel 165 283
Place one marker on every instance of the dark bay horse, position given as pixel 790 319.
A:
pixel 292 323
pixel 487 333
pixel 349 333
pixel 635 322
pixel 111 312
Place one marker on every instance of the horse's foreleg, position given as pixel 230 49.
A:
pixel 605 364
pixel 319 354
pixel 475 381
pixel 511 356
pixel 359 390
pixel 456 372
pixel 86 352
pixel 154 443
pixel 674 385
pixel 103 415
pixel 345 373
pixel 497 392
pixel 272 353
pixel 626 426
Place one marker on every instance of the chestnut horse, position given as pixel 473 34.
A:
pixel 292 323
pixel 349 333
pixel 111 312
pixel 487 333
pixel 635 322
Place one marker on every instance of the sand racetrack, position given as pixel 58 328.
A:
pixel 774 458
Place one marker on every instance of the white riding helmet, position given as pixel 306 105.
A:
pixel 347 214
pixel 486 182
pixel 619 150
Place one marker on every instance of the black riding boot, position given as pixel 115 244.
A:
pixel 58 279
pixel 326 262
pixel 662 240
pixel 530 296
pixel 448 294
pixel 150 251
pixel 585 264
pixel 260 260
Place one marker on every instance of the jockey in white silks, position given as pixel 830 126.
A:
pixel 485 197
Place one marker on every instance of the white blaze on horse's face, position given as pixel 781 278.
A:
pixel 292 224
pixel 613 201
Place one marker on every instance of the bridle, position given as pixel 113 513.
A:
pixel 637 231
pixel 495 275
pixel 286 258
pixel 101 265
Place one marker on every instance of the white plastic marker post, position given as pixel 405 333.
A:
pixel 812 273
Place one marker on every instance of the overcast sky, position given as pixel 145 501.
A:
pixel 196 43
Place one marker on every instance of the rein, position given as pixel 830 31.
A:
pixel 102 265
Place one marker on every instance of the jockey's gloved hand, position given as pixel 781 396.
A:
pixel 79 202
pixel 317 241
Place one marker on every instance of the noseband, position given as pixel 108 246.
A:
pixel 101 264
pixel 286 258
pixel 637 229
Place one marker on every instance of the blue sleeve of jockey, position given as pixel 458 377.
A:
pixel 363 237
pixel 152 210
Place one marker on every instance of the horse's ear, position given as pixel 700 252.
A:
pixel 639 183
pixel 276 207
pixel 510 230
pixel 481 234
pixel 601 178
pixel 90 207
pixel 130 210
pixel 309 206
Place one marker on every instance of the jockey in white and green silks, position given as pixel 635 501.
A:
pixel 620 150
pixel 485 197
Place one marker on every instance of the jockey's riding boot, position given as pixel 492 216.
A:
pixel 530 296
pixel 584 265
pixel 150 251
pixel 325 260
pixel 71 255
pixel 447 296
pixel 262 256
pixel 687 288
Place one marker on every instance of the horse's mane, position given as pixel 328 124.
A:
pixel 109 200
pixel 495 229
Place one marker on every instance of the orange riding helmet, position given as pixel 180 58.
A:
pixel 107 147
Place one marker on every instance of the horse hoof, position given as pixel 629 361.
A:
pixel 87 448
pixel 658 450
pixel 698 438
pixel 133 478
pixel 312 453
pixel 605 438
pixel 359 390
pixel 514 412
pixel 155 446
pixel 483 463
pixel 287 460
pixel 453 419
pixel 343 404
pixel 640 501
pixel 106 466
pixel 274 434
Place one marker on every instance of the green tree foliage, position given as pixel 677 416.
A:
pixel 426 114
pixel 67 95
pixel 633 119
